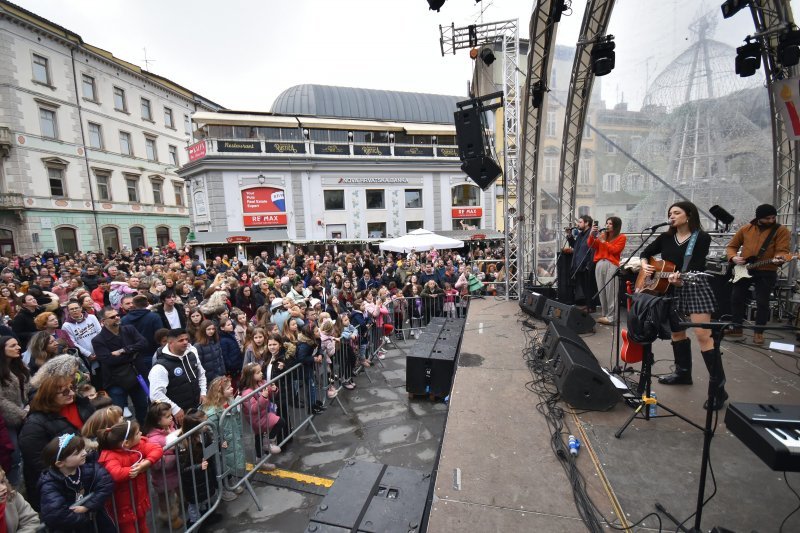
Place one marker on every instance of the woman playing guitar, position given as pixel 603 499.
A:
pixel 686 245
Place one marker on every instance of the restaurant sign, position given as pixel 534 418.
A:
pixel 467 212
pixel 285 148
pixel 238 239
pixel 371 149
pixel 413 151
pixel 239 146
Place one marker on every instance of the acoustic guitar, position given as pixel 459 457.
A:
pixel 743 271
pixel 658 283
pixel 631 352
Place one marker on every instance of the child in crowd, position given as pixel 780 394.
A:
pixel 348 335
pixel 159 426
pixel 73 490
pixel 328 343
pixel 127 456
pixel 450 294
pixel 259 411
pixel 219 397
pixel 16 514
pixel 99 421
pixel 198 474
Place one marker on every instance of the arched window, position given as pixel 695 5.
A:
pixel 466 195
pixel 66 240
pixel 111 238
pixel 162 236
pixel 184 234
pixel 137 237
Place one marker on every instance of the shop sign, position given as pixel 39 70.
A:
pixel 197 151
pixel 416 151
pixel 331 149
pixel 285 148
pixel 371 149
pixel 467 212
pixel 239 146
pixel 445 151
pixel 267 204
pixel 238 239
pixel 478 237
pixel 265 220
pixel 371 181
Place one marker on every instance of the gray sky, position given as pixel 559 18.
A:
pixel 242 54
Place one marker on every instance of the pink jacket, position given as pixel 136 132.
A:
pixel 257 412
pixel 167 468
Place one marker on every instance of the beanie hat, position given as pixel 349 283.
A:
pixel 765 210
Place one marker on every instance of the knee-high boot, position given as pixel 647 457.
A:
pixel 719 395
pixel 682 351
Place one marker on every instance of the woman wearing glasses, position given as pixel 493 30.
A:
pixel 54 410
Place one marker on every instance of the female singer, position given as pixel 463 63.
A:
pixel 607 246
pixel 686 245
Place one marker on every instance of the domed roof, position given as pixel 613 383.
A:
pixel 366 104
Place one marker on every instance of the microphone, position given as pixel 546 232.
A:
pixel 653 228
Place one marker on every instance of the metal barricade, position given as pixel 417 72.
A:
pixel 410 315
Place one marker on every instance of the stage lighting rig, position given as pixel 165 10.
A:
pixel 603 56
pixel 435 5
pixel 731 7
pixel 748 58
pixel 487 56
pixel 789 48
pixel 559 6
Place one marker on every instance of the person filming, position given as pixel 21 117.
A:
pixel 607 245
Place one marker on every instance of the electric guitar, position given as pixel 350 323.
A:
pixel 657 283
pixel 743 271
pixel 631 352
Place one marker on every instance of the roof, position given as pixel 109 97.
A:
pixel 472 234
pixel 370 104
pixel 202 238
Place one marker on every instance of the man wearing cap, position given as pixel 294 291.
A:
pixel 763 239
pixel 178 377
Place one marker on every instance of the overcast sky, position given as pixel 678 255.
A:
pixel 242 54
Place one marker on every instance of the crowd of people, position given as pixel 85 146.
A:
pixel 106 359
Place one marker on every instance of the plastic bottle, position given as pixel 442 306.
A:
pixel 574 445
pixel 653 407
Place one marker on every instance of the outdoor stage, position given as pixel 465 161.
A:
pixel 497 471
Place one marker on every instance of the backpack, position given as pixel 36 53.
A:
pixel 115 298
pixel 650 318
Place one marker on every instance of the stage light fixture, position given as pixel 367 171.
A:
pixel 487 56
pixel 559 6
pixel 789 48
pixel 748 59
pixel 721 214
pixel 537 94
pixel 435 5
pixel 731 7
pixel 603 56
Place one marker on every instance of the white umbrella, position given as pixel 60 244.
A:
pixel 420 240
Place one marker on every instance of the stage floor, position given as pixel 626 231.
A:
pixel 497 471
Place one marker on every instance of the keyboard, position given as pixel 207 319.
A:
pixel 771 431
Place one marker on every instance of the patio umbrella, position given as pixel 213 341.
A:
pixel 420 240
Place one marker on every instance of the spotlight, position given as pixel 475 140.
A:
pixel 721 214
pixel 731 7
pixel 537 94
pixel 435 5
pixel 558 8
pixel 748 59
pixel 603 56
pixel 789 48
pixel 487 56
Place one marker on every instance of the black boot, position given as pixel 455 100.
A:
pixel 720 395
pixel 682 350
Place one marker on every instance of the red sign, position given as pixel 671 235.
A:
pixel 263 200
pixel 265 220
pixel 478 237
pixel 197 151
pixel 237 239
pixel 467 212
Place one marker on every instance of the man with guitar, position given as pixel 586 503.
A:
pixel 764 247
pixel 684 247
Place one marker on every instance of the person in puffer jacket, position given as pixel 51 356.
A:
pixel 209 350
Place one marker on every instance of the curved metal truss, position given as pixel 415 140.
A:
pixel 543 31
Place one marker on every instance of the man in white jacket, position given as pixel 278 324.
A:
pixel 82 328
pixel 177 376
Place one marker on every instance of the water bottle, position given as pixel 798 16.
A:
pixel 574 445
pixel 653 407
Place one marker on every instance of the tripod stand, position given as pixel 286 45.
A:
pixel 644 389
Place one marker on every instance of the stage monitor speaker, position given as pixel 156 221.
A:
pixel 532 303
pixel 568 315
pixel 555 334
pixel 469 133
pixel 579 378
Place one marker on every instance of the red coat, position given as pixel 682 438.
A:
pixel 118 463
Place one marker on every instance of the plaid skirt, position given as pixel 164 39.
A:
pixel 695 297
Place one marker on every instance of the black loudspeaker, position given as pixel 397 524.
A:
pixel 554 334
pixel 580 380
pixel 568 315
pixel 532 303
pixel 469 133
pixel 482 170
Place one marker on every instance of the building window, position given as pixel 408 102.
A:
pixel 47 121
pixel 636 143
pixel 125 145
pixel 66 240
pixel 184 234
pixel 334 200
pixel 158 197
pixel 376 230
pixel 132 184
pixel 375 199
pixel 411 225
pixel 147 112
pixel 137 237
pixel 41 69
pixel 413 198
pixel 466 223
pixel 187 125
pixel 110 238
pixel 466 195
pixel 549 169
pixel 56 177
pixel 168 120
pixel 95 136
pixel 610 148
pixel 162 236
pixel 583 172
pixel 611 182
pixel 178 193
pixel 103 186
pixel 150 148
pixel 551 123
pixel 88 88
pixel 173 155
pixel 120 104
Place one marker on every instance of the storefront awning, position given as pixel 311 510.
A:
pixel 205 238
pixel 473 234
pixel 202 118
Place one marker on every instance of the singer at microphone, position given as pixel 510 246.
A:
pixel 607 244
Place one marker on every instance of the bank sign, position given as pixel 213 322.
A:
pixel 264 206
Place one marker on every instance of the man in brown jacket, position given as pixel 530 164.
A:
pixel 750 238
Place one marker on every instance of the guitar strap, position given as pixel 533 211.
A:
pixel 766 242
pixel 689 250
